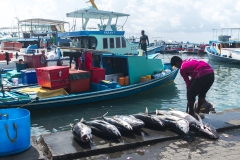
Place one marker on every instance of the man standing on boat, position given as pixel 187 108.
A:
pixel 144 42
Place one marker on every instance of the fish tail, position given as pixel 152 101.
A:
pixel 104 115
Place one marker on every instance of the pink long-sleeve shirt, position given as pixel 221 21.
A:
pixel 195 69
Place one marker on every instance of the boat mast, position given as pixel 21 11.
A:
pixel 93 3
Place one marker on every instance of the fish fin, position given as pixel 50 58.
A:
pixel 146 111
pixel 71 124
pixel 82 120
pixel 156 112
pixel 171 109
pixel 104 114
pixel 199 119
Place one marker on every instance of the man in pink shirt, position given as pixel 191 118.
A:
pixel 202 78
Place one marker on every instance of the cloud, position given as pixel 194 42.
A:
pixel 172 19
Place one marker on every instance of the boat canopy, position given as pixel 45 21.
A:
pixel 40 25
pixel 42 21
pixel 93 13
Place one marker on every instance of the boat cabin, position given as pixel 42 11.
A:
pixel 103 36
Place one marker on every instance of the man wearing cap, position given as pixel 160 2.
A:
pixel 144 42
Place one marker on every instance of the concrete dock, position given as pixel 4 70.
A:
pixel 62 145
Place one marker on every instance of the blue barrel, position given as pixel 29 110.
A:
pixel 15 130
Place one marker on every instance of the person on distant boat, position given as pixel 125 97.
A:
pixel 144 42
pixel 202 78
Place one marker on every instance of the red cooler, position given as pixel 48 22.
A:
pixel 34 61
pixel 79 81
pixel 97 74
pixel 53 77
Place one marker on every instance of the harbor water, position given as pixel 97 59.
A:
pixel 223 95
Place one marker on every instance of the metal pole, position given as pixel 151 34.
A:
pixel 82 21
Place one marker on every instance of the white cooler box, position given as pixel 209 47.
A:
pixel 113 77
pixel 53 62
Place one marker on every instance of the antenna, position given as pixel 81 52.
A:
pixel 93 3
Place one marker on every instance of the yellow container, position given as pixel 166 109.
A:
pixel 148 77
pixel 140 52
pixel 121 81
pixel 143 79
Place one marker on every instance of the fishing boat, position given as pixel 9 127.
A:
pixel 35 35
pixel 169 47
pixel 103 36
pixel 225 49
pixel 114 68
pixel 107 67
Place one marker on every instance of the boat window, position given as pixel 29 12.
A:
pixel 105 43
pixel 123 43
pixel 111 40
pixel 118 45
pixel 92 44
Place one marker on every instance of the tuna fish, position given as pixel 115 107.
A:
pixel 104 128
pixel 150 120
pixel 134 122
pixel 202 127
pixel 81 131
pixel 117 122
pixel 177 124
pixel 207 129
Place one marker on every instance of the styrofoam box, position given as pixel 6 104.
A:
pixel 113 77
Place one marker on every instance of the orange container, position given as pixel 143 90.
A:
pixel 126 81
pixel 79 81
pixel 143 79
pixel 121 81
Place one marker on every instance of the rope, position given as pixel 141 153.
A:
pixel 16 128
pixel 36 99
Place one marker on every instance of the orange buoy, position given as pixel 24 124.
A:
pixel 143 79
pixel 121 81
pixel 126 81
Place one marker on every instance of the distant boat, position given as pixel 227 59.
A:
pixel 225 49
pixel 170 47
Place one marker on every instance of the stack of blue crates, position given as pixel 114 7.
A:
pixel 29 76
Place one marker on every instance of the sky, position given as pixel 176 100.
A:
pixel 176 20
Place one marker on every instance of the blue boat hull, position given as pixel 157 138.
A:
pixel 218 58
pixel 77 99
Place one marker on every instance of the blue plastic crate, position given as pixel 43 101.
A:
pixel 29 76
pixel 109 84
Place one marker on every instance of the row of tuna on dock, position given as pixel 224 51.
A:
pixel 112 127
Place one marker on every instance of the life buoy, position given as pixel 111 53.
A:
pixel 43 59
